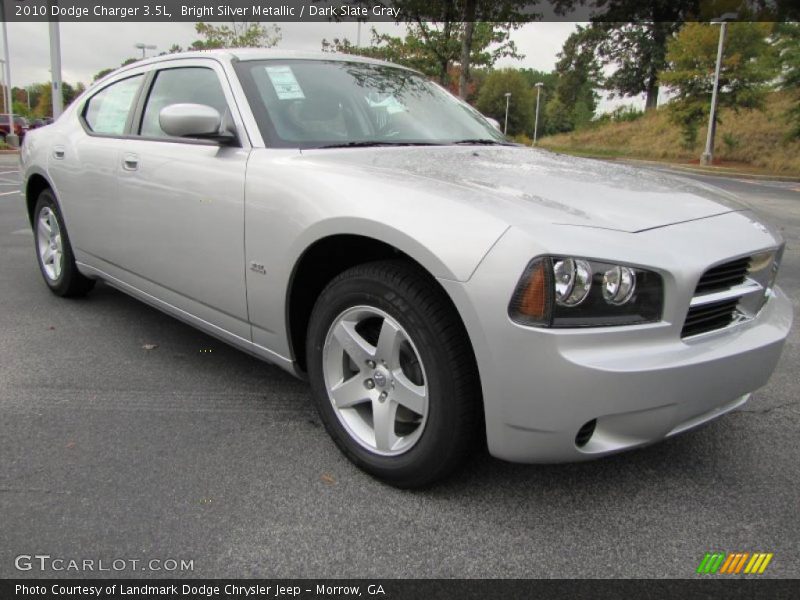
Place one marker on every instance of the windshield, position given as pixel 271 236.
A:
pixel 319 103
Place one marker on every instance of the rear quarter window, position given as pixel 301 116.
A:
pixel 107 111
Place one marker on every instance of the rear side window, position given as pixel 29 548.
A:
pixel 108 110
pixel 192 85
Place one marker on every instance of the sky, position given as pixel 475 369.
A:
pixel 90 47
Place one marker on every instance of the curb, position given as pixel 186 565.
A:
pixel 713 171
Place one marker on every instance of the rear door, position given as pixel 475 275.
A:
pixel 83 164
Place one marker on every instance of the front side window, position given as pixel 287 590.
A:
pixel 107 111
pixel 318 103
pixel 189 85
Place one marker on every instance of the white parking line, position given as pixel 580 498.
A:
pixel 8 172
pixel 10 193
pixel 22 232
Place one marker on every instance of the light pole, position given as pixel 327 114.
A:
pixel 536 121
pixel 11 138
pixel 508 100
pixel 144 48
pixel 55 66
pixel 707 158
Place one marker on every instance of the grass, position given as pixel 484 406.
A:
pixel 750 140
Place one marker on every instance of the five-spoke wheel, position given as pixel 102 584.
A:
pixel 375 380
pixel 53 249
pixel 393 373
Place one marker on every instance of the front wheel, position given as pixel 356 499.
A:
pixel 53 250
pixel 393 373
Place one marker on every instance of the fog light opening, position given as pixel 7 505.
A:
pixel 585 433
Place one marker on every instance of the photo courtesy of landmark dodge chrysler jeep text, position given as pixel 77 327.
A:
pixel 355 224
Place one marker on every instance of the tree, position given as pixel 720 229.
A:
pixel 632 39
pixel 103 73
pixel 787 45
pixel 442 34
pixel 574 100
pixel 749 64
pixel 638 50
pixel 239 34
pixel 492 100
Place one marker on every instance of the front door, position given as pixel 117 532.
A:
pixel 182 204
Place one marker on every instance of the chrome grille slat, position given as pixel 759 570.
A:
pixel 717 295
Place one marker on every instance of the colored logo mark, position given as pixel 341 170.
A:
pixel 735 563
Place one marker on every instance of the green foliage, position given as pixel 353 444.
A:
pixel 638 51
pixel 621 114
pixel 522 104
pixel 749 65
pixel 731 141
pixel 787 44
pixel 433 47
pixel 21 108
pixel 100 74
pixel 239 34
pixel 578 73
pixel 688 115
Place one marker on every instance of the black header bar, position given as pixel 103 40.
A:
pixel 395 10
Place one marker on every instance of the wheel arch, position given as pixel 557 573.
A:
pixel 326 258
pixel 35 185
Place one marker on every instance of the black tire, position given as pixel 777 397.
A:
pixel 454 418
pixel 70 282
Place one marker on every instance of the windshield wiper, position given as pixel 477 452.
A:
pixel 374 144
pixel 482 142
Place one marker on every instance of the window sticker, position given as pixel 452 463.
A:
pixel 285 83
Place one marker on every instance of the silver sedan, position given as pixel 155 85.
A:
pixel 355 224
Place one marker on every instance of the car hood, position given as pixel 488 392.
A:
pixel 524 185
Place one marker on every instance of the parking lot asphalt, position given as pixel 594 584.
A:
pixel 125 434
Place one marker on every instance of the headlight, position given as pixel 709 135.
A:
pixel 562 291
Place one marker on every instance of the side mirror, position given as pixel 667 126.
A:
pixel 194 121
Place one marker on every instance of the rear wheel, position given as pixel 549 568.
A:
pixel 393 373
pixel 54 252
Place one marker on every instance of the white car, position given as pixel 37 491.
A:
pixel 357 225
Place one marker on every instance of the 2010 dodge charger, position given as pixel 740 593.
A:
pixel 353 223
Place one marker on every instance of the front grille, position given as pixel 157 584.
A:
pixel 723 277
pixel 709 316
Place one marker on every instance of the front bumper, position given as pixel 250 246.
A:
pixel 641 384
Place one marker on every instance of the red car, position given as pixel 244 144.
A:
pixel 20 126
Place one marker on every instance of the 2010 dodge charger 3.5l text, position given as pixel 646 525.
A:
pixel 355 224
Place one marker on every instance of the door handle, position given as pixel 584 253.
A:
pixel 130 162
pixel 59 153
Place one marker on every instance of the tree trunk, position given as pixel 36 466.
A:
pixel 651 103
pixel 466 47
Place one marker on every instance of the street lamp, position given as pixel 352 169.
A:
pixel 57 93
pixel 144 48
pixel 536 121
pixel 707 158
pixel 508 99
pixel 11 137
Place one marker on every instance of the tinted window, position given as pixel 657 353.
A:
pixel 193 85
pixel 107 111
